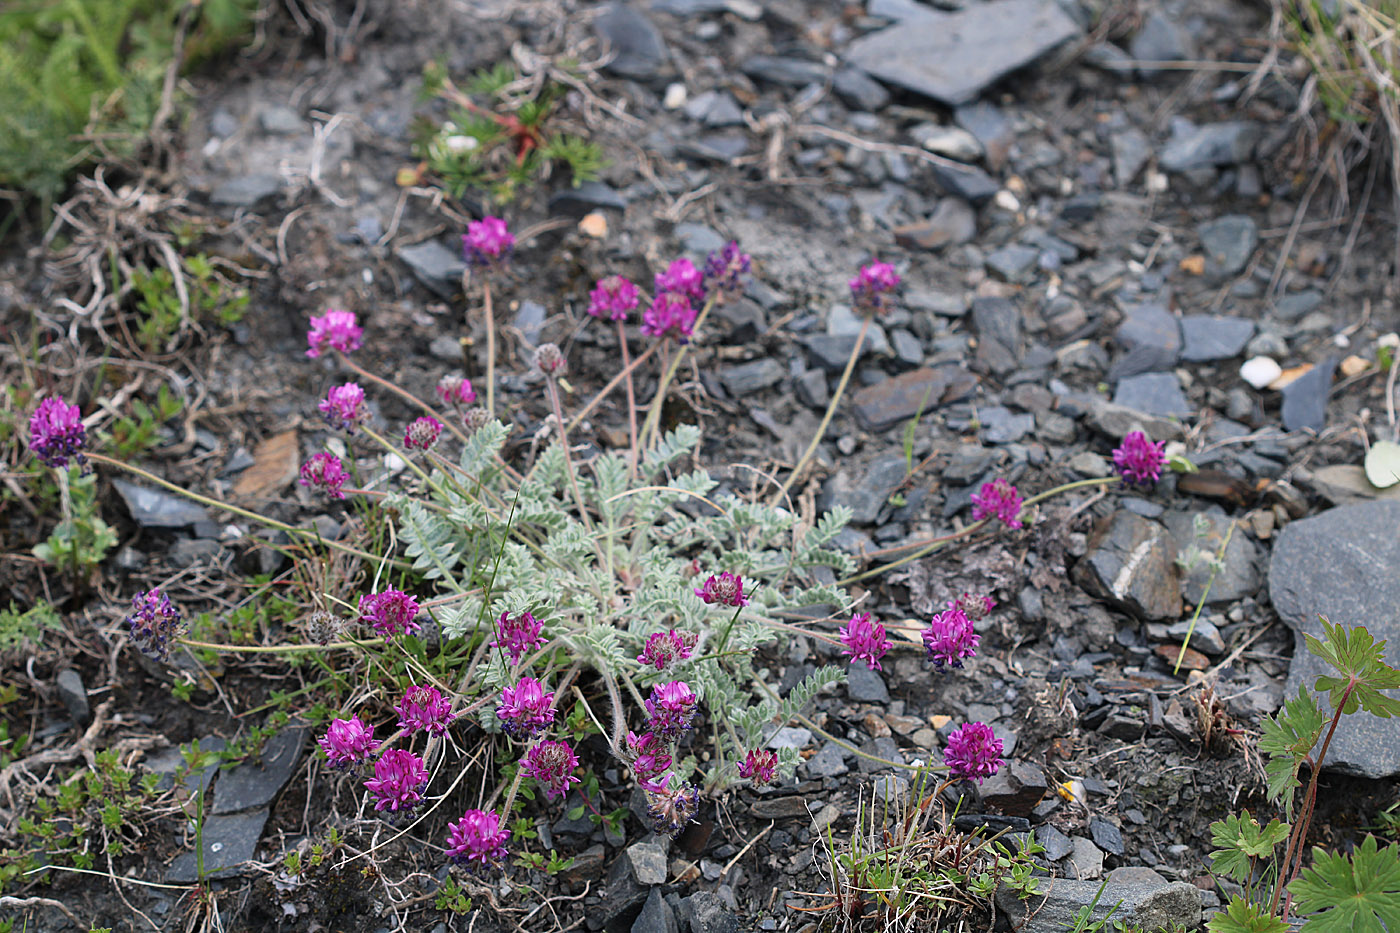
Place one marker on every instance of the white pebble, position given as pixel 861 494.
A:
pixel 675 96
pixel 1260 371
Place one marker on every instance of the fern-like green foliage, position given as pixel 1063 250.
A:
pixel 1287 738
pixel 1241 842
pixel 1348 893
pixel 497 543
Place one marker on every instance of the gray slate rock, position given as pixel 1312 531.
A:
pixel 656 916
pixel 706 913
pixel 747 378
pixel 436 266
pixel 1000 341
pixel 1151 905
pixel 789 72
pixel 1293 307
pixel 1131 562
pixel 829 762
pixel 1207 337
pixel 640 50
pixel 894 401
pixel 168 761
pixel 1151 338
pixel 1057 844
pixel 953 57
pixel 1131 149
pixel 864 685
pixel 647 861
pixel 280 121
pixel 964 181
pixel 1305 398
pixel 229 842
pixel 1153 394
pixel 952 223
pixel 1106 835
pixel 1228 242
pixel 859 91
pixel 246 190
pixel 1193 147
pixel 1013 263
pixel 255 782
pixel 73 694
pixel 155 508
pixel 1241 577
pixel 1343 564
pixel 870 494
pixel 587 196
pixel 1160 40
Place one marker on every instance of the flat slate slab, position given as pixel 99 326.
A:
pixel 229 841
pixel 953 57
pixel 255 782
pixel 1343 564
pixel 896 400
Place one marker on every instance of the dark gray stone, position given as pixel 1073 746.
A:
pixel 529 320
pixel 1002 426
pixel 1013 263
pixel 280 121
pixel 968 463
pixel 830 352
pixel 864 685
pixel 1293 307
pixel 1153 394
pixel 1207 337
pixel 1228 243
pixel 952 223
pixel 1015 789
pixel 246 190
pixel 647 861
pixel 790 72
pixel 255 782
pixel 1150 905
pixel 829 762
pixel 640 50
pixel 1151 339
pixel 1130 561
pixel 811 389
pixel 656 916
pixel 1106 836
pixel 867 496
pixel 623 897
pixel 953 57
pixel 780 808
pixel 859 91
pixel 73 694
pixel 1342 564
pixel 229 842
pixel 1305 398
pixel 586 197
pixel 1131 149
pixel 964 181
pixel 894 401
pixel 155 508
pixel 999 333
pixel 1195 147
pixel 706 913
pixel 1242 574
pixel 436 266
pixel 746 378
pixel 716 109
pixel 168 761
pixel 1057 844
pixel 699 238
pixel 716 147
pixel 1160 40
pixel 991 128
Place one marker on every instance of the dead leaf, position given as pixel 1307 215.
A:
pixel 1288 375
pixel 275 464
pixel 1354 366
pixel 1193 660
pixel 1193 265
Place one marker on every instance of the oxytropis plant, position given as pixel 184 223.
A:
pixel 619 586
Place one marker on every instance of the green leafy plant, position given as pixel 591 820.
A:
pixel 134 434
pixel 210 297
pixel 82 539
pixel 19 628
pixel 1357 891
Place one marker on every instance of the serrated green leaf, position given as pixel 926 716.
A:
pixel 1242 916
pixel 1383 464
pixel 1343 894
pixel 1360 660
pixel 1240 840
pixel 1287 738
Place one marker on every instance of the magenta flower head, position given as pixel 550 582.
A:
pixel 665 648
pixel 477 841
pixel 865 640
pixel 671 708
pixel 973 752
pixel 326 473
pixel 872 286
pixel 517 634
pixel 474 419
pixel 649 754
pixel 391 612
pixel 681 278
pixel 56 432
pixel 549 359
pixel 997 499
pixel 426 709
pixel 422 434
pixel 727 589
pixel 398 777
pixel 613 298
pixel 456 390
pixel 725 271
pixel 1138 460
pixel 334 330
pixel 671 808
pixel 760 766
pixel 153 623
pixel 974 605
pixel 347 743
pixel 949 639
pixel 487 242
pixel 552 764
pixel 526 709
pixel 670 315
pixel 344 407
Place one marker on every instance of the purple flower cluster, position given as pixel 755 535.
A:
pixel 649 753
pixel 760 766
pixel 517 634
pixel 665 648
pixel 997 499
pixel 975 606
pixel 727 589
pixel 325 472
pixel 670 808
pixel 391 612
pixel 487 242
pixel 973 752
pixel 949 639
pixel 422 433
pixel 456 390
pixel 670 315
pixel 683 279
pixel 334 330
pixel 864 640
pixel 477 841
pixel 872 286
pixel 347 743
pixel 549 359
pixel 670 709
pixel 399 776
pixel 552 764
pixel 1138 460
pixel 343 407
pixel 426 709
pixel 726 269
pixel 526 709
pixel 153 623
pixel 56 432
pixel 614 297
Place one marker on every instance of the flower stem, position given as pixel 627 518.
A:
pixel 631 403
pixel 625 373
pixel 404 394
pixel 261 519
pixel 490 348
pixel 553 389
pixel 826 418
pixel 653 422
pixel 846 745
pixel 279 649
